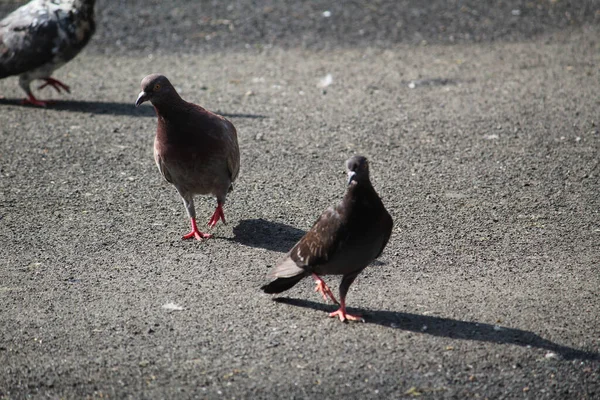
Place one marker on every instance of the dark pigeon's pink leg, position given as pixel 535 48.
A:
pixel 56 84
pixel 196 233
pixel 341 313
pixel 323 289
pixel 219 214
pixel 33 101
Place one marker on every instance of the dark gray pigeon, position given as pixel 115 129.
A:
pixel 343 241
pixel 195 150
pixel 40 37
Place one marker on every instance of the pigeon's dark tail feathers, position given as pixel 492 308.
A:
pixel 281 284
pixel 287 273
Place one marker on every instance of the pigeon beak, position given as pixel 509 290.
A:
pixel 142 97
pixel 351 176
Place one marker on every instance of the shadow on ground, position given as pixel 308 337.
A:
pixel 268 235
pixel 452 328
pixel 238 115
pixel 111 108
pixel 94 107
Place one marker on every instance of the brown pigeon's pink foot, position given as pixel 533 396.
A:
pixel 217 215
pixel 34 102
pixel 343 316
pixel 56 84
pixel 323 289
pixel 198 235
pixel 195 233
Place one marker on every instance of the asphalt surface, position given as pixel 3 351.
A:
pixel 481 124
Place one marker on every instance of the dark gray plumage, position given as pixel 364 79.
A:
pixel 343 241
pixel 195 150
pixel 40 37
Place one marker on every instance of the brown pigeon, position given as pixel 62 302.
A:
pixel 343 241
pixel 40 37
pixel 195 150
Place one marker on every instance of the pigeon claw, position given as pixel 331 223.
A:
pixel 195 233
pixel 31 100
pixel 56 84
pixel 343 316
pixel 324 289
pixel 346 317
pixel 198 235
pixel 218 214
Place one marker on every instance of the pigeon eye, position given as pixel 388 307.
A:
pixel 157 87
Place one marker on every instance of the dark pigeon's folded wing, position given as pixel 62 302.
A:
pixel 44 33
pixel 27 39
pixel 322 240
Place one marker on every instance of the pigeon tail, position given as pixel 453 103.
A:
pixel 281 284
pixel 287 274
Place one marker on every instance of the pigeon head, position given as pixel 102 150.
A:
pixel 358 169
pixel 157 89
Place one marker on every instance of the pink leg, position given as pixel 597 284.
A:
pixel 195 233
pixel 33 101
pixel 56 84
pixel 323 289
pixel 217 215
pixel 341 313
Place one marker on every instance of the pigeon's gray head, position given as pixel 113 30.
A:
pixel 157 89
pixel 358 169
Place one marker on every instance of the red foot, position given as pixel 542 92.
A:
pixel 56 84
pixel 324 289
pixel 341 313
pixel 216 216
pixel 195 233
pixel 34 102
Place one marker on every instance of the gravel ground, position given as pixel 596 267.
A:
pixel 481 126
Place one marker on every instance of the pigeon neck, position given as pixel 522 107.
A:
pixel 85 10
pixel 170 106
pixel 364 188
pixel 363 183
pixel 85 4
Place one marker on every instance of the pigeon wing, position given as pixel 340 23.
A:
pixel 28 39
pixel 233 157
pixel 321 242
pixel 386 224
pixel 221 130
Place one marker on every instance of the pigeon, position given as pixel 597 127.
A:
pixel 343 241
pixel 40 37
pixel 195 150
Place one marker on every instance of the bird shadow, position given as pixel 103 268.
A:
pixel 452 328
pixel 110 108
pixel 94 107
pixel 268 235
pixel 240 115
